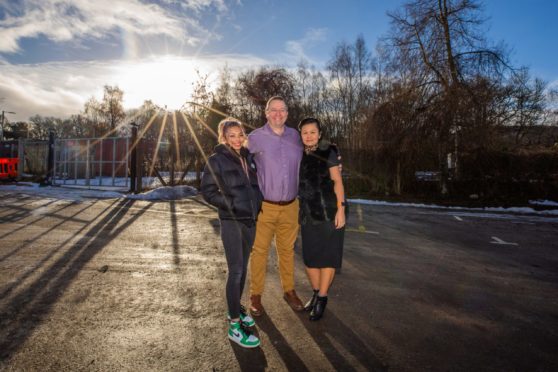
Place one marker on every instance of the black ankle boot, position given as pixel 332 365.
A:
pixel 311 302
pixel 318 310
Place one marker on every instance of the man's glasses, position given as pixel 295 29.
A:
pixel 273 111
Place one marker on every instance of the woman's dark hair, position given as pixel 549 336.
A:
pixel 305 121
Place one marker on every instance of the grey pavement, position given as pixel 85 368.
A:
pixel 118 284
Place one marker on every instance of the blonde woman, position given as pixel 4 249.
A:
pixel 230 183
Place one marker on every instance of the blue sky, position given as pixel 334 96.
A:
pixel 55 54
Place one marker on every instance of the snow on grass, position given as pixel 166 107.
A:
pixel 63 193
pixel 166 193
pixel 434 206
pixel 544 202
pixel 78 193
pixel 183 191
pixel 148 182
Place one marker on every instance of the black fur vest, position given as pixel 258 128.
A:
pixel 318 202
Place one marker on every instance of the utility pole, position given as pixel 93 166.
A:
pixel 2 124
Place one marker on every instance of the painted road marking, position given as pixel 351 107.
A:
pixel 500 241
pixel 458 218
pixel 362 229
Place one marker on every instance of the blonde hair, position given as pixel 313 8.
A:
pixel 224 126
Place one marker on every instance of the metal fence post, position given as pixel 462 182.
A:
pixel 50 162
pixel 100 183
pixel 88 164
pixel 139 166
pixel 20 157
pixel 133 158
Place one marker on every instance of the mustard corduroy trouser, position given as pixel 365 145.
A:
pixel 280 221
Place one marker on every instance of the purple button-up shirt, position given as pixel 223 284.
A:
pixel 278 160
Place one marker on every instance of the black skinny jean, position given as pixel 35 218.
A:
pixel 237 239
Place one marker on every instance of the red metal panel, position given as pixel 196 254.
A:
pixel 8 167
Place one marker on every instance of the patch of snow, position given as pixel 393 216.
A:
pixel 57 192
pixel 183 191
pixel 166 193
pixel 434 206
pixel 77 193
pixel 123 182
pixel 544 202
pixel 105 187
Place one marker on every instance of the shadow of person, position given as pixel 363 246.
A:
pixel 35 302
pixel 330 327
pixel 290 358
pixel 249 359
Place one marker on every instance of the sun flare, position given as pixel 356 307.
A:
pixel 166 81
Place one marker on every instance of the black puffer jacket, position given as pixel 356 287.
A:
pixel 225 185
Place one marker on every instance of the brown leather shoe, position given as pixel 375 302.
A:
pixel 256 307
pixel 293 300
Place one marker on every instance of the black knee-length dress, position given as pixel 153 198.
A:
pixel 322 243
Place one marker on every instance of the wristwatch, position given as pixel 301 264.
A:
pixel 342 204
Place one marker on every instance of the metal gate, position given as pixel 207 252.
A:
pixel 34 160
pixel 92 162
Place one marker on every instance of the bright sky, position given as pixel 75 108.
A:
pixel 55 54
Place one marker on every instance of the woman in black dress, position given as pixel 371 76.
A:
pixel 322 213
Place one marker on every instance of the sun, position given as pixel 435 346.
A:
pixel 166 80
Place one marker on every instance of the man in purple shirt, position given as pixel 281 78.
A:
pixel 278 151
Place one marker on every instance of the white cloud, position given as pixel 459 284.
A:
pixel 60 89
pixel 76 20
pixel 200 5
pixel 50 89
pixel 297 49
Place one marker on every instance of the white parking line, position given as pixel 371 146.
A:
pixel 500 241
pixel 458 218
pixel 362 229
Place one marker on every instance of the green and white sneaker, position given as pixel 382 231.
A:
pixel 245 319
pixel 242 336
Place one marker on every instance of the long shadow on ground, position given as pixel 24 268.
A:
pixel 331 327
pixel 28 309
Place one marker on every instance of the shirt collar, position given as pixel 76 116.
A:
pixel 267 127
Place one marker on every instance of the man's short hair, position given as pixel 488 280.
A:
pixel 274 98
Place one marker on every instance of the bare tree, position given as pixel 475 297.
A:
pixel 528 103
pixel 440 43
pixel 43 125
pixel 311 85
pixel 77 126
pixel 224 92
pixel 112 105
pixel 105 115
pixel 350 90
pixel 253 89
pixel 93 111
